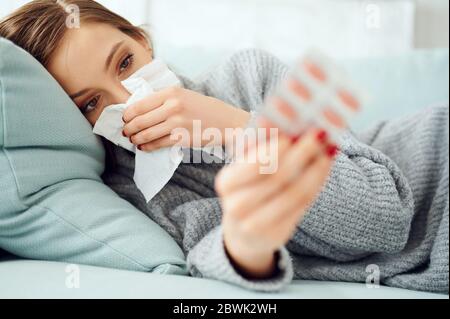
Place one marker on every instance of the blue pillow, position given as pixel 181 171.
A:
pixel 53 204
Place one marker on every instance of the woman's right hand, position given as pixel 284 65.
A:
pixel 261 212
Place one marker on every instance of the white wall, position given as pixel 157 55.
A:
pixel 332 24
pixel 286 27
pixel 6 6
pixel 432 24
pixel 133 10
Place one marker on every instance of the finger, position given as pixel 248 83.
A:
pixel 147 120
pixel 149 103
pixel 287 210
pixel 261 191
pixel 166 141
pixel 313 144
pixel 238 203
pixel 246 171
pixel 151 134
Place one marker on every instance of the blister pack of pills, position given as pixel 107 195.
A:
pixel 317 93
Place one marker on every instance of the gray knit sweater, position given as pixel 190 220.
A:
pixel 385 206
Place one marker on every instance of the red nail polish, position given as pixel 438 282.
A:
pixel 140 147
pixel 322 136
pixel 295 139
pixel 332 151
pixel 123 133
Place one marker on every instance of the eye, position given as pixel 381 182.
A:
pixel 91 105
pixel 126 63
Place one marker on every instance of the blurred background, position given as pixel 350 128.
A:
pixel 210 30
pixel 396 50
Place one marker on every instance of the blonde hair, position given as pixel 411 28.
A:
pixel 40 25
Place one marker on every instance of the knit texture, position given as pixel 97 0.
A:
pixel 384 207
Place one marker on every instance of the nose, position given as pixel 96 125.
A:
pixel 119 94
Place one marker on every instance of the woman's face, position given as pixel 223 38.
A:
pixel 92 61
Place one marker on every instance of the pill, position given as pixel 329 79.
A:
pixel 315 71
pixel 317 94
pixel 349 100
pixel 333 118
pixel 285 109
pixel 299 89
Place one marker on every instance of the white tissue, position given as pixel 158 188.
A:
pixel 153 170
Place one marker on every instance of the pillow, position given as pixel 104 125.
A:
pixel 53 204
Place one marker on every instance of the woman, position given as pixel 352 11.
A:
pixel 384 206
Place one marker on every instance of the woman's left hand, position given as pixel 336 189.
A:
pixel 151 121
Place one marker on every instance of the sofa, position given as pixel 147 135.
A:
pixel 398 85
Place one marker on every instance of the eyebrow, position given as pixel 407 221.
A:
pixel 112 53
pixel 77 95
pixel 114 49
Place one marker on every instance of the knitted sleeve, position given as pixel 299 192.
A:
pixel 249 76
pixel 206 253
pixel 366 207
pixel 208 259
pixel 367 204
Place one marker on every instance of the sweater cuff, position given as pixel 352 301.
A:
pixel 210 260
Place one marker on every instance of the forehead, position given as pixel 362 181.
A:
pixel 82 54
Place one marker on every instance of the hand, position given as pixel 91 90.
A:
pixel 261 212
pixel 150 123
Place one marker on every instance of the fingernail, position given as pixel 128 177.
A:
pixel 123 133
pixel 332 151
pixel 295 139
pixel 322 136
pixel 140 147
